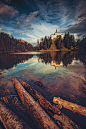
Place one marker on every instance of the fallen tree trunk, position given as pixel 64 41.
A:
pixel 42 101
pixel 10 120
pixel 33 108
pixel 62 120
pixel 71 106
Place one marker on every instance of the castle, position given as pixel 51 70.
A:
pixel 55 34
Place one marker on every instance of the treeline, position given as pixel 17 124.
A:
pixel 67 42
pixel 11 44
pixel 82 44
pixel 45 43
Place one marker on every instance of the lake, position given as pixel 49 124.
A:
pixel 63 74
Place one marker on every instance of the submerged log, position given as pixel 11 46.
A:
pixel 71 106
pixel 61 119
pixel 10 120
pixel 41 118
pixel 39 83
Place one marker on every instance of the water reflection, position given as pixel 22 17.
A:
pixel 62 74
pixel 9 60
pixel 54 58
pixel 59 58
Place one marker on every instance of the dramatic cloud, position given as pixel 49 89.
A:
pixel 79 26
pixel 29 40
pixel 31 17
pixel 34 19
pixel 7 11
pixel 24 21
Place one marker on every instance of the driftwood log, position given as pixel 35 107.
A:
pixel 61 119
pixel 10 120
pixel 71 106
pixel 41 118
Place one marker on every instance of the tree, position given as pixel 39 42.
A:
pixel 37 41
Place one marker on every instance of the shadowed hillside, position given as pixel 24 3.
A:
pixel 11 44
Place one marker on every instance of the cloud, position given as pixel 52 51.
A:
pixel 24 21
pixel 25 32
pixel 7 11
pixel 31 17
pixel 28 25
pixel 29 40
pixel 79 26
pixel 37 19
pixel 9 33
pixel 17 23
pixel 42 29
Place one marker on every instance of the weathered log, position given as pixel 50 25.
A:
pixel 71 106
pixel 62 120
pixel 42 101
pixel 10 120
pixel 41 118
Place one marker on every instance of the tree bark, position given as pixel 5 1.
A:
pixel 61 119
pixel 10 120
pixel 41 118
pixel 42 101
pixel 71 106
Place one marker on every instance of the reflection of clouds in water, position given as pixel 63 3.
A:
pixel 61 81
pixel 76 62
pixel 31 60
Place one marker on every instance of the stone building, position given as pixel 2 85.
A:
pixel 55 35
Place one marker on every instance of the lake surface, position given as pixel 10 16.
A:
pixel 63 74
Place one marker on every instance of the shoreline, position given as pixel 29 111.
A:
pixel 57 50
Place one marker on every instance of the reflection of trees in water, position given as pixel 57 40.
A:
pixel 82 57
pixel 9 60
pixel 46 58
pixel 64 57
pixel 67 59
pixel 57 57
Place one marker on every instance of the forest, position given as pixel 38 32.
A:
pixel 65 43
pixel 11 44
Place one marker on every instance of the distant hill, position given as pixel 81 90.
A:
pixel 11 44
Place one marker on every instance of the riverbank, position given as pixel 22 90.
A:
pixel 57 50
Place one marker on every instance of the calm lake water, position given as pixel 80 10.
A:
pixel 63 74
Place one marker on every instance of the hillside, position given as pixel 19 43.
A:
pixel 11 44
pixel 58 42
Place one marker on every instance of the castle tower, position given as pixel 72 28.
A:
pixel 56 31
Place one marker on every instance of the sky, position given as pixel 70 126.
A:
pixel 30 20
